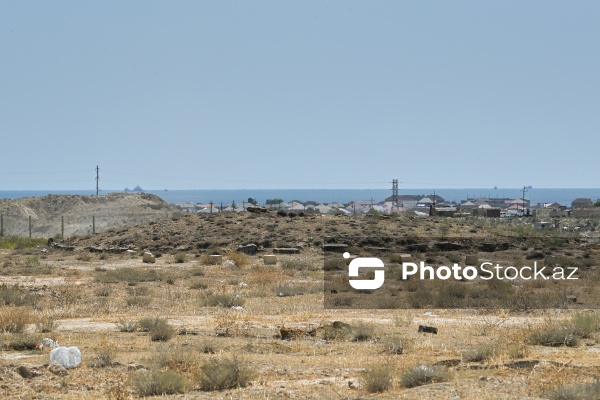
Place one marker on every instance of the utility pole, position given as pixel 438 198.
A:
pixel 524 190
pixel 211 206
pixel 97 178
pixel 395 194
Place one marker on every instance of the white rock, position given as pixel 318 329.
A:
pixel 68 357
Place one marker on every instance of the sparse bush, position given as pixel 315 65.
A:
pixel 13 242
pixel 128 274
pixel 103 359
pixel 578 391
pixel 554 335
pixel 127 326
pixel 394 344
pixel 15 296
pixel 585 324
pixel 32 261
pixel 226 373
pixel 15 319
pixel 138 291
pixel 240 259
pixel 479 353
pixel 46 324
pixel 224 300
pixel 362 332
pixel 157 327
pixel 377 379
pixel 296 265
pixel 21 342
pixel 422 375
pixel 181 258
pixel 174 358
pixel 158 383
pixel 198 284
pixel 208 347
pixel 161 331
pixel 103 291
pixel 138 301
pixel 288 290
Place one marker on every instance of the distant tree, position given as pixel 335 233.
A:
pixel 274 201
pixel 597 203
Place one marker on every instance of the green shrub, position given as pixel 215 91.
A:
pixel 158 383
pixel 226 373
pixel 161 331
pixel 422 375
pixel 377 379
pixel 13 242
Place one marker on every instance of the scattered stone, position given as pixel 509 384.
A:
pixel 472 260
pixel 257 209
pixel 229 263
pixel 68 357
pixel 449 246
pixel 571 299
pixel 294 333
pixel 270 259
pixel 428 329
pixel 286 250
pixel 57 369
pixel 447 363
pixel 335 246
pixel 148 257
pixel 521 364
pixel 26 372
pixel 249 249
pixel 405 258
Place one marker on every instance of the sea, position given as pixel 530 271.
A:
pixel 563 196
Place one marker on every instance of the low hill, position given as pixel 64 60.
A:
pixel 80 213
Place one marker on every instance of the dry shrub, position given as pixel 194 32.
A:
pixel 158 383
pixel 422 375
pixel 240 259
pixel 226 373
pixel 577 391
pixel 377 379
pixel 15 319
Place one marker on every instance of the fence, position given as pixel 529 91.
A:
pixel 22 227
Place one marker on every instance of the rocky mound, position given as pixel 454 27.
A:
pixel 81 214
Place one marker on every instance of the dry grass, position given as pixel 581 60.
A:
pixel 108 307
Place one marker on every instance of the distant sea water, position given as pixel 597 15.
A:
pixel 541 195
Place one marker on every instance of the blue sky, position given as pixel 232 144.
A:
pixel 305 94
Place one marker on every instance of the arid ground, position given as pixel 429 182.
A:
pixel 193 326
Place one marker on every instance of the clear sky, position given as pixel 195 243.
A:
pixel 299 94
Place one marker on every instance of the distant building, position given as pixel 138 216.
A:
pixel 581 203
